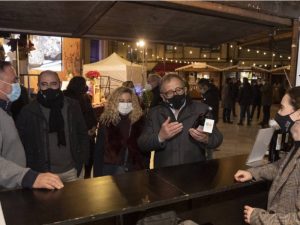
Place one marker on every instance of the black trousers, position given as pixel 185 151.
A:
pixel 266 114
pixel 226 115
pixel 245 109
pixel 254 106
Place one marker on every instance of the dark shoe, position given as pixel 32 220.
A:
pixel 248 123
pixel 240 124
pixel 230 122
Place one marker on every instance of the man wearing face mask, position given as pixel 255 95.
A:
pixel 169 127
pixel 12 157
pixel 53 131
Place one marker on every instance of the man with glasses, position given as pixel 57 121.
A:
pixel 13 172
pixel 169 131
pixel 53 131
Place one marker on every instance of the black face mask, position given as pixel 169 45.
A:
pixel 285 122
pixel 176 101
pixel 50 94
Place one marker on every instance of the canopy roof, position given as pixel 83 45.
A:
pixel 199 67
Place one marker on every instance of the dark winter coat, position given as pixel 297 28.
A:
pixel 33 130
pixel 182 148
pixel 111 146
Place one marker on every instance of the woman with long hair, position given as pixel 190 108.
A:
pixel 284 195
pixel 120 125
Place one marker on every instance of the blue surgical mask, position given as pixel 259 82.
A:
pixel 15 91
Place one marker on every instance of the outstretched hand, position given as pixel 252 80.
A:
pixel 169 129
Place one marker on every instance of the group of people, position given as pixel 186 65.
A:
pixel 54 134
pixel 52 138
pixel 250 97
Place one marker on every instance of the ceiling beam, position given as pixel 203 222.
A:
pixel 242 14
pixel 92 17
pixel 278 37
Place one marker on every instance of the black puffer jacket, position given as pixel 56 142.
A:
pixel 33 131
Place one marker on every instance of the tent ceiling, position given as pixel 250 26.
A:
pixel 165 22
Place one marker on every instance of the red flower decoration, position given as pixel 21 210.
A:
pixel 92 74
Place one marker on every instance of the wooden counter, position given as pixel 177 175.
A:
pixel 204 192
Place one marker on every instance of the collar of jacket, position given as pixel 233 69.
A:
pixel 183 114
pixel 5 105
pixel 35 107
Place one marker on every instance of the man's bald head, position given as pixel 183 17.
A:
pixel 48 79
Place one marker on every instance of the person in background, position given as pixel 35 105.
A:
pixel 13 171
pixel 235 94
pixel 53 131
pixel 154 83
pixel 256 98
pixel 266 102
pixel 169 128
pixel 129 84
pixel 77 89
pixel 284 195
pixel 120 125
pixel 210 96
pixel 244 99
pixel 227 100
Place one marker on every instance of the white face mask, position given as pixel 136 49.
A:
pixel 124 108
pixel 15 91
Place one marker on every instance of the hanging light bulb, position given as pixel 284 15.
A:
pixel 218 58
pixel 191 52
pixel 231 46
pixel 289 57
pixel 273 54
pixel 204 55
pixel 248 50
pixel 240 48
pixel 257 51
pixel 265 53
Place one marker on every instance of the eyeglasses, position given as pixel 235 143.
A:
pixel 171 93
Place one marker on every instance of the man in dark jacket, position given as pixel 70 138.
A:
pixel 256 98
pixel 169 130
pixel 53 131
pixel 210 94
pixel 245 96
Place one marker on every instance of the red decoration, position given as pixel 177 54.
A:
pixel 92 74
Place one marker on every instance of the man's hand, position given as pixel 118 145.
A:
pixel 243 176
pixel 247 213
pixel 169 130
pixel 48 181
pixel 199 135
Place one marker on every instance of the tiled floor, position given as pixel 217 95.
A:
pixel 238 139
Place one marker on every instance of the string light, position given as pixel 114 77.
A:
pixel 204 55
pixel 275 66
pixel 243 62
pixel 254 64
pixel 266 65
pixel 248 50
pixel 218 58
pixel 280 56
pixel 231 60
pixel 265 53
pixel 231 46
pixel 240 48
pixel 175 48
pixel 289 57
pixel 273 54
pixel 257 51
pixel 191 52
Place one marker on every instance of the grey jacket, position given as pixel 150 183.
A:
pixel 284 195
pixel 33 129
pixel 182 148
pixel 12 156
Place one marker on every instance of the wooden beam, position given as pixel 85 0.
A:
pixel 278 37
pixel 242 14
pixel 294 51
pixel 94 15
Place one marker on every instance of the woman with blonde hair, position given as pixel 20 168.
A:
pixel 120 125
